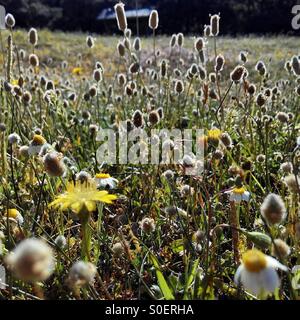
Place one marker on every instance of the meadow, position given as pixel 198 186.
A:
pixel 75 227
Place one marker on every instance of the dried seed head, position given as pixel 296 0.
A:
pixel 13 138
pixel 173 40
pixel 260 99
pixel 226 139
pixel 90 41
pixel 261 158
pixel 220 61
pixel 296 65
pixel 121 49
pixel 215 24
pixel 97 75
pixel 33 36
pixel 218 154
pixel 180 39
pixel 137 44
pixel 153 20
pixel 251 89
pixel 32 260
pixel 273 209
pixel 34 60
pixel 80 274
pixel 61 241
pixel 286 167
pixel 153 117
pixel 207 31
pixel 134 68
pixel 280 249
pixel 179 87
pixel 148 225
pixel 137 119
pixel 237 74
pixel 199 44
pixel 243 57
pixel 53 164
pixel 27 97
pixel 10 20
pixel 118 249
pixel 282 117
pixel 121 16
pixel 168 174
pixel 291 182
pixel 261 68
pixel 163 68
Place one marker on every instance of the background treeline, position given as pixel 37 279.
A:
pixel 189 16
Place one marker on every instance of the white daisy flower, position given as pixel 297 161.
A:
pixel 15 216
pixel 104 180
pixel 36 144
pixel 239 194
pixel 257 273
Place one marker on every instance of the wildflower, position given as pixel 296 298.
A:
pixel 257 273
pixel 10 20
pixel 239 194
pixel 36 144
pixel 104 180
pixel 214 135
pixel 121 16
pixel 273 209
pixel 83 176
pixel 32 260
pixel 81 197
pixel 15 216
pixel 77 71
pixel 53 164
pixel 280 249
pixel 80 274
pixel 153 20
pixel 147 225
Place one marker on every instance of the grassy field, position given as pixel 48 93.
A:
pixel 149 231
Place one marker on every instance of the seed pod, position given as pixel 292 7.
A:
pixel 34 60
pixel 137 119
pixel 163 68
pixel 261 240
pixel 214 24
pixel 137 44
pixel 296 65
pixel 97 75
pixel 260 100
pixel 10 20
pixel 202 73
pixel 33 36
pixel 121 16
pixel 220 60
pixel 199 44
pixel 173 41
pixel 237 74
pixel 121 49
pixel 251 89
pixel 153 117
pixel 243 57
pixel 153 20
pixel 134 67
pixel 90 42
pixel 180 39
pixel 179 87
pixel 273 209
pixel 207 31
pixel 53 164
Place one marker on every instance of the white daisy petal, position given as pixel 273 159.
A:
pixel 271 262
pixel 269 279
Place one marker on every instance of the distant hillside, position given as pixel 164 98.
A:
pixel 238 16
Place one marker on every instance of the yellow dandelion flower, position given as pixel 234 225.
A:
pixel 214 134
pixel 102 175
pixel 38 140
pixel 81 196
pixel 15 82
pixel 77 71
